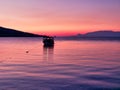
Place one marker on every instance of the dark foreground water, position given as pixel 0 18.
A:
pixel 71 65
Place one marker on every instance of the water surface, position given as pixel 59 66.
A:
pixel 70 65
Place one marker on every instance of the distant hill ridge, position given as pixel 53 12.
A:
pixel 6 32
pixel 97 35
pixel 105 33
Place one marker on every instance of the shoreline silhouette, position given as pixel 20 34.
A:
pixel 97 35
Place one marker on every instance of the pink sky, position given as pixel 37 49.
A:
pixel 60 17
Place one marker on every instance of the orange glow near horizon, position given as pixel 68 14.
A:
pixel 60 17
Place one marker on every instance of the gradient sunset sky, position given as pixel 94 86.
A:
pixel 60 17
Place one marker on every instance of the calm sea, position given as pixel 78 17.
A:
pixel 70 65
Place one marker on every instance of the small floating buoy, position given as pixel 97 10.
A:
pixel 27 51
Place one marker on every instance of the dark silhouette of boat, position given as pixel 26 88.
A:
pixel 48 41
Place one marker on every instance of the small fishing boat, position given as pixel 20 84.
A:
pixel 48 41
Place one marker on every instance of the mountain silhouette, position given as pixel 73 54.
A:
pixel 108 34
pixel 105 33
pixel 97 35
pixel 6 32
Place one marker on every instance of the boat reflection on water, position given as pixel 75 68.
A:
pixel 48 49
pixel 48 54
